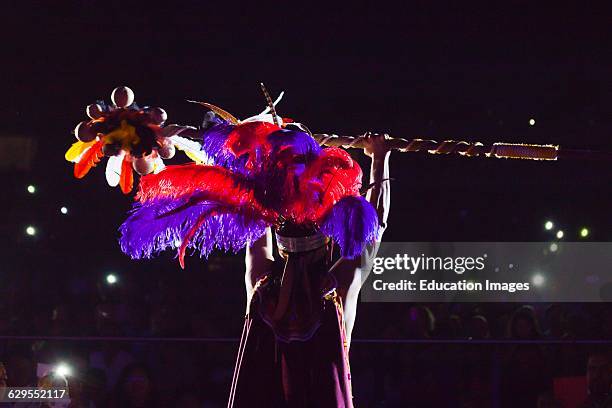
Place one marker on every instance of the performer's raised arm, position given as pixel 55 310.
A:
pixel 379 195
pixel 351 273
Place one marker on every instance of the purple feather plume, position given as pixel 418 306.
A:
pixel 352 223
pixel 301 143
pixel 213 143
pixel 163 223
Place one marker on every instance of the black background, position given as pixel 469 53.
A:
pixel 438 71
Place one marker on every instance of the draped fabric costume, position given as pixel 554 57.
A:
pixel 293 351
pixel 249 175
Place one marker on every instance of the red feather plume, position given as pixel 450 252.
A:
pixel 247 137
pixel 332 176
pixel 217 183
pixel 89 159
pixel 126 179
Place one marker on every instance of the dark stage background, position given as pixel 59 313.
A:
pixel 414 70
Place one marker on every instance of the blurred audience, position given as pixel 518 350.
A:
pixel 135 388
pixel 478 328
pixel 599 381
pixel 523 324
pixel 420 323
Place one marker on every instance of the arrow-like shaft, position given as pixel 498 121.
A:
pixel 470 149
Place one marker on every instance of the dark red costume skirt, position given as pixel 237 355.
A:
pixel 290 364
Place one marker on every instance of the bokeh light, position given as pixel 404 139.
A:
pixel 548 225
pixel 560 234
pixel 584 232
pixel 31 189
pixel 63 370
pixel 30 230
pixel 538 279
pixel 111 278
pixel 532 122
pixel 64 210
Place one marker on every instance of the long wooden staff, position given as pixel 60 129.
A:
pixel 469 149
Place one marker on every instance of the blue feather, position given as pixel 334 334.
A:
pixel 352 222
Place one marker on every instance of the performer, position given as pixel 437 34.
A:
pixel 251 177
pixel 301 310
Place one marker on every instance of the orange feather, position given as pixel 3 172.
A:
pixel 126 180
pixel 89 159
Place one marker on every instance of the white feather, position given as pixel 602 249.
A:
pixel 183 143
pixel 274 103
pixel 158 165
pixel 191 146
pixel 113 169
pixel 263 117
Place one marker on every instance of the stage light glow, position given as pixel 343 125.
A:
pixel 538 279
pixel 64 210
pixel 111 279
pixel 553 247
pixel 63 370
pixel 30 230
pixel 560 234
pixel 584 232
pixel 31 189
pixel 548 225
pixel 531 122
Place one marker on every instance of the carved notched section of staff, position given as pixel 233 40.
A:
pixel 470 149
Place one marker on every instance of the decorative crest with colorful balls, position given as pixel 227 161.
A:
pixel 133 138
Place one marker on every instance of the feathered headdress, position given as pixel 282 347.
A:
pixel 259 172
